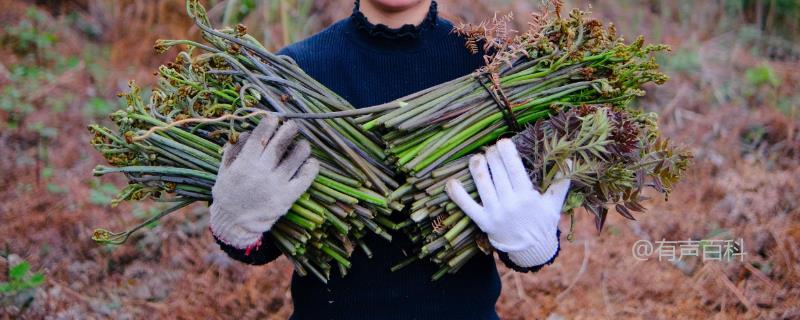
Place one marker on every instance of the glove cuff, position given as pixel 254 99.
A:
pixel 224 227
pixel 534 254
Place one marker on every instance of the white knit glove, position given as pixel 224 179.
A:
pixel 259 180
pixel 518 219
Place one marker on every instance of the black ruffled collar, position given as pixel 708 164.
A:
pixel 383 31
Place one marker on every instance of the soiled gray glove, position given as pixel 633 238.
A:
pixel 259 180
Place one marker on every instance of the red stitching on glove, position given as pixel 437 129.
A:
pixel 255 245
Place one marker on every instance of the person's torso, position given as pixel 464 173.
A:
pixel 365 66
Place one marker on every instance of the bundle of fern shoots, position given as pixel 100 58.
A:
pixel 562 90
pixel 169 148
pixel 610 154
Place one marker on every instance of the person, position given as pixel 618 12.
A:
pixel 385 50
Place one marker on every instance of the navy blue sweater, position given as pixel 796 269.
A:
pixel 370 64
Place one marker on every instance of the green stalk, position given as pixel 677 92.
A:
pixel 199 143
pixel 460 226
pixel 305 213
pixel 358 194
pixel 284 242
pixel 404 263
pixel 338 177
pixel 340 225
pixel 333 254
pixel 300 221
pixel 332 192
pixel 463 256
pixel 153 170
pixel 439 274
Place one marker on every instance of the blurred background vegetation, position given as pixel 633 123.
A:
pixel 733 99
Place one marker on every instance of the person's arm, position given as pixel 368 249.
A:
pixel 521 223
pixel 259 179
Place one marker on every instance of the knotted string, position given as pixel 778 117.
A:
pixel 500 99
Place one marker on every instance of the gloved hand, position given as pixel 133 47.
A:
pixel 258 181
pixel 518 219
